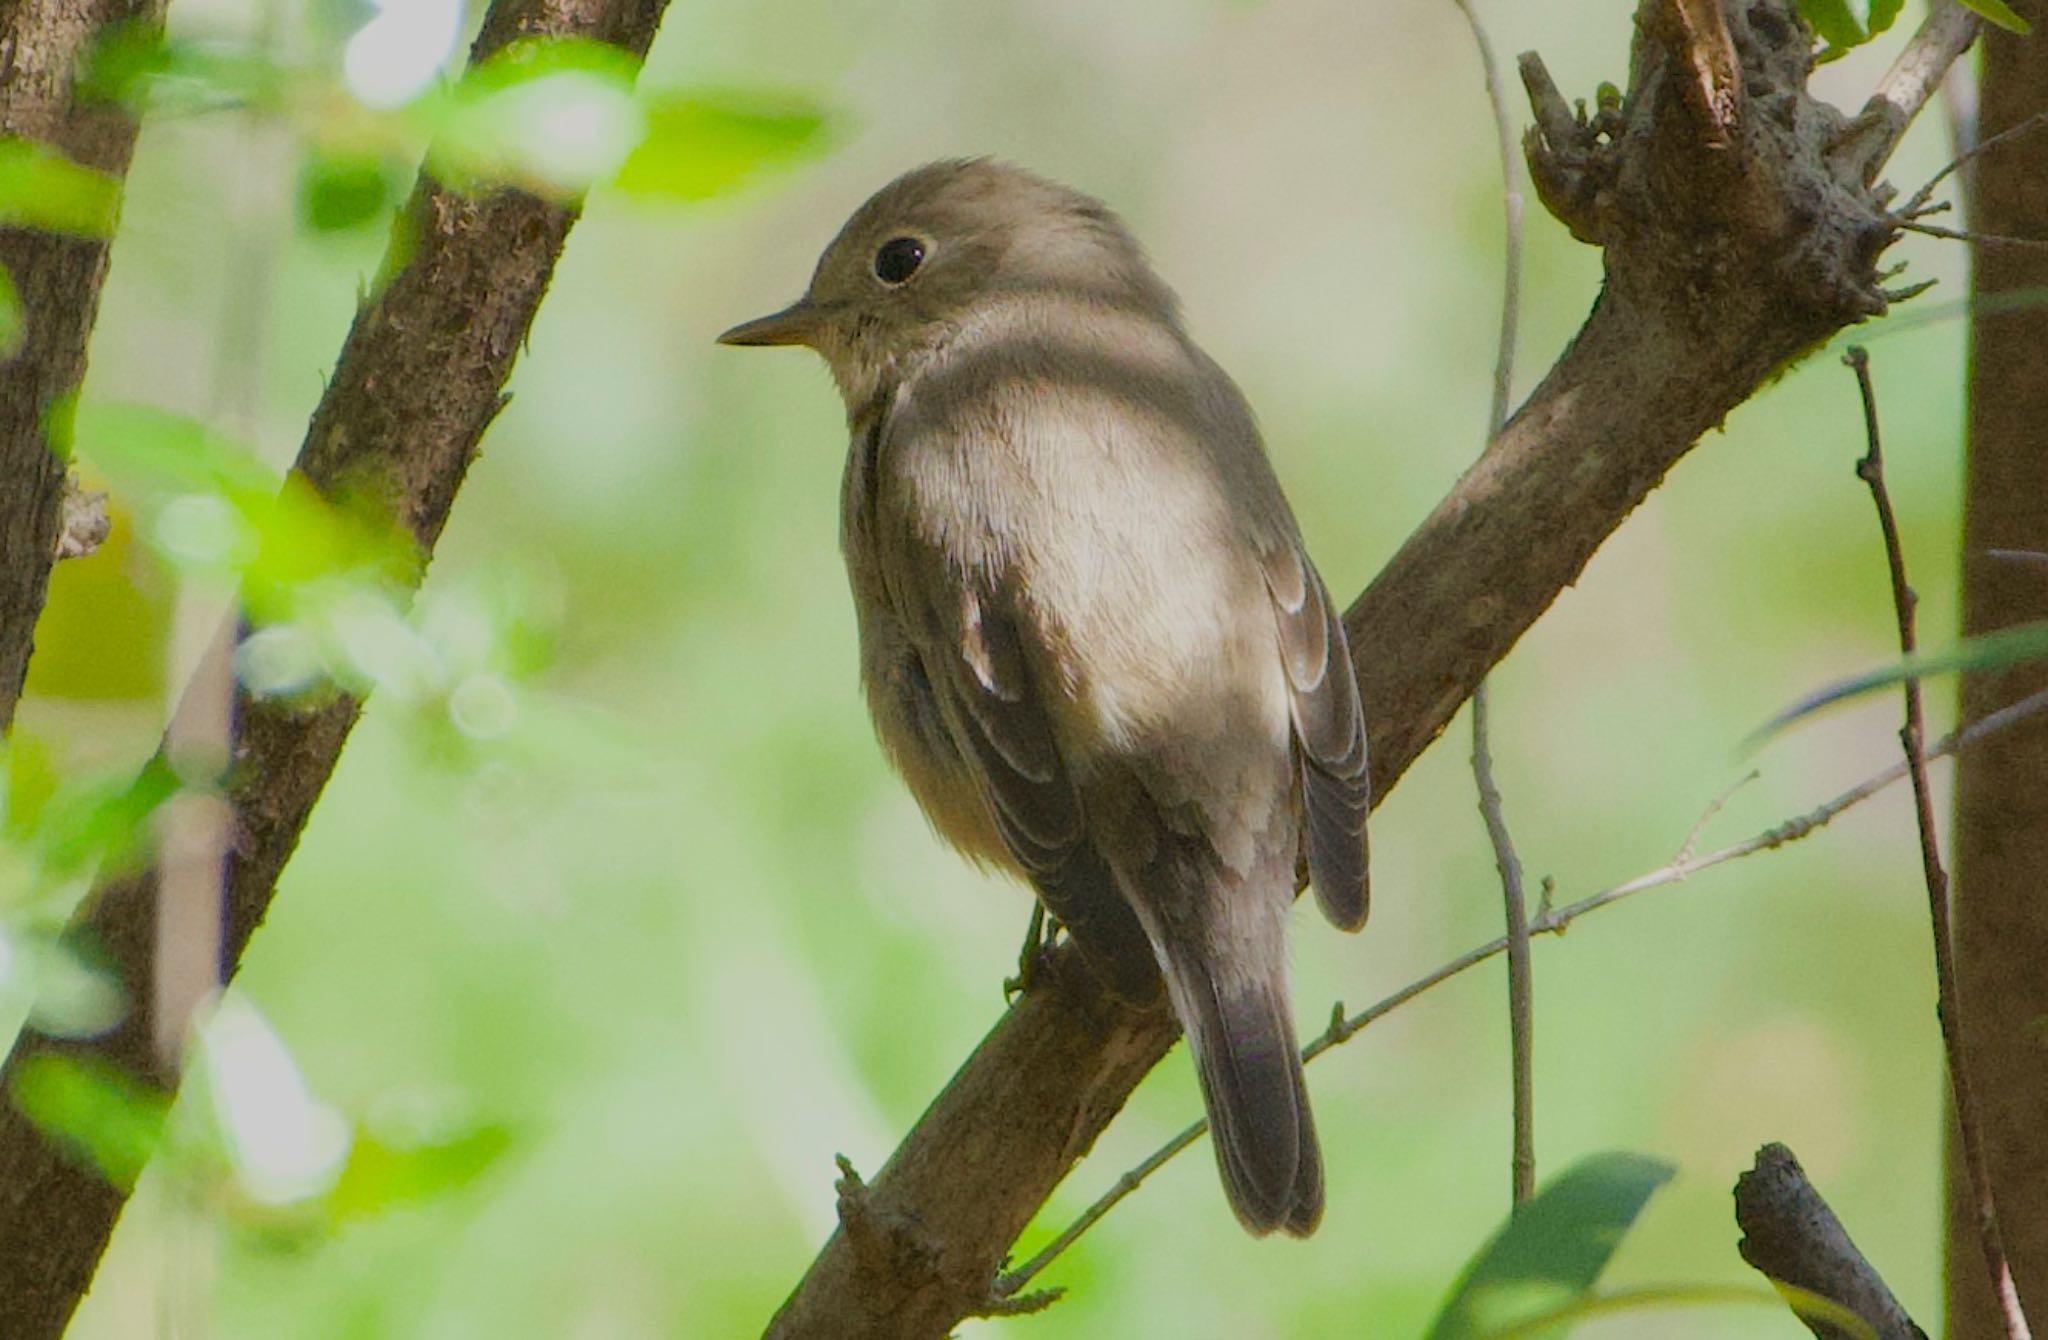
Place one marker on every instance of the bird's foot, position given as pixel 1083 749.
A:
pixel 1033 960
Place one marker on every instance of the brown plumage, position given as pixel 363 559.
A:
pixel 1091 641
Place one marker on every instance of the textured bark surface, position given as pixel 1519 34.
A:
pixel 1738 233
pixel 58 280
pixel 419 379
pixel 2001 816
pixel 1791 1235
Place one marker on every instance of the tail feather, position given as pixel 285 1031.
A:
pixel 1258 1108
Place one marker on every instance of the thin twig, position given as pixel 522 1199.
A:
pixel 1521 976
pixel 1962 235
pixel 1871 471
pixel 1918 204
pixel 1714 807
pixel 1683 865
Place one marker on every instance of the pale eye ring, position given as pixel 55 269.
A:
pixel 898 259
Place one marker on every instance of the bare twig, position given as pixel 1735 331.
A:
pixel 1684 864
pixel 1918 205
pixel 1714 807
pixel 1521 974
pixel 1871 471
pixel 1791 1235
pixel 1964 235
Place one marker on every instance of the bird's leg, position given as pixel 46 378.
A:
pixel 1031 959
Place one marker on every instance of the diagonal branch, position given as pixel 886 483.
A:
pixel 1734 241
pixel 419 378
pixel 58 280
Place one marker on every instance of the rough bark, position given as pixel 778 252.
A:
pixel 1791 1235
pixel 58 280
pixel 2001 798
pixel 419 378
pixel 1738 232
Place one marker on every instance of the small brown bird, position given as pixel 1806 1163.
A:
pixel 1090 638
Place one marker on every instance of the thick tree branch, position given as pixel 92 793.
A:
pixel 419 379
pixel 1790 1236
pixel 1737 237
pixel 58 280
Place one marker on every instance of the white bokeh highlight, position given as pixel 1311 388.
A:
pixel 392 58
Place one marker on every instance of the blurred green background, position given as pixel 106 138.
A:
pixel 687 939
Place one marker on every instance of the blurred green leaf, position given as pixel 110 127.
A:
pixel 143 449
pixel 41 188
pixel 138 66
pixel 304 539
pixel 1883 13
pixel 95 1111
pixel 702 145
pixel 1991 651
pixel 220 509
pixel 13 320
pixel 29 768
pixel 1687 1295
pixel 103 822
pixel 339 191
pixel 1551 1250
pixel 2000 13
pixel 67 828
pixel 555 117
pixel 382 1176
pixel 1834 22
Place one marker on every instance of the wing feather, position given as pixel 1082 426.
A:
pixel 1329 734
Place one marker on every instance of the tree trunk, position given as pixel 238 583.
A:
pixel 2001 818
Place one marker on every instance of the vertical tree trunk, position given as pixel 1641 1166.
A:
pixel 2001 820
pixel 58 279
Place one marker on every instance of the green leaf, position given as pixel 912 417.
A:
pixel 136 65
pixel 1990 651
pixel 338 192
pixel 94 1110
pixel 146 449
pixel 1834 22
pixel 41 188
pixel 13 320
pixel 1810 1305
pixel 222 510
pixel 382 1176
pixel 104 822
pixel 2000 13
pixel 702 145
pixel 554 117
pixel 1883 13
pixel 1551 1250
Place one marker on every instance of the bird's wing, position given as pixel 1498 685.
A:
pixel 1329 730
pixel 970 643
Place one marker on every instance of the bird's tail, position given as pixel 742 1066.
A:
pixel 1227 977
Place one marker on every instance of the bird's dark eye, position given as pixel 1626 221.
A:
pixel 898 259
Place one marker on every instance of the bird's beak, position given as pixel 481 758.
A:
pixel 797 323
